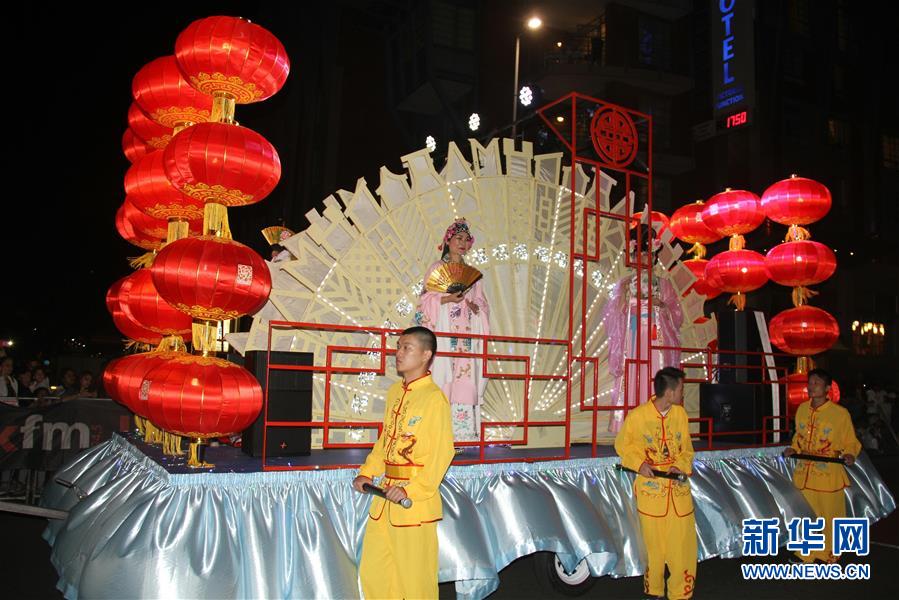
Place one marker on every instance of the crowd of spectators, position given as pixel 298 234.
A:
pixel 33 383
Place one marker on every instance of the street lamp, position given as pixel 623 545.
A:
pixel 533 23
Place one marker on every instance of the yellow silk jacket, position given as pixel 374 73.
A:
pixel 414 451
pixel 662 442
pixel 824 431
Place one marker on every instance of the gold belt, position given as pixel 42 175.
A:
pixel 402 472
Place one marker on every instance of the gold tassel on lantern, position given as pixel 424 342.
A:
pixel 698 250
pixel 796 233
pixel 801 295
pixel 737 242
pixel 223 105
pixel 139 423
pixel 205 336
pixel 193 460
pixel 172 343
pixel 151 433
pixel 144 261
pixel 177 230
pixel 215 220
pixel 135 346
pixel 738 300
pixel 804 364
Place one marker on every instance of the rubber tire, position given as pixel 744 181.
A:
pixel 553 578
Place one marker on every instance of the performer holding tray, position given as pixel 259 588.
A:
pixel 656 436
pixel 399 551
pixel 824 432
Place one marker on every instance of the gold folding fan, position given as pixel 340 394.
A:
pixel 451 278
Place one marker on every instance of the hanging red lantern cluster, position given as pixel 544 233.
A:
pixel 184 106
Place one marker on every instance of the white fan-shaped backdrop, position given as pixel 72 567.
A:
pixel 362 259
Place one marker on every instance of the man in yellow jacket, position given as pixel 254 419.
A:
pixel 823 428
pixel 399 551
pixel 656 437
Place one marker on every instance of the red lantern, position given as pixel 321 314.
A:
pixel 131 235
pixel 154 134
pixel 737 271
pixel 134 147
pixel 144 225
pixel 226 164
pixel 139 299
pixel 129 376
pixel 687 225
pixel 796 201
pixel 110 379
pixel 733 212
pixel 702 286
pixel 659 221
pixel 800 263
pixel 233 56
pixel 804 330
pixel 124 322
pixel 200 397
pixel 151 192
pixel 163 94
pixel 212 278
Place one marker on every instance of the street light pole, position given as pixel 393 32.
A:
pixel 515 87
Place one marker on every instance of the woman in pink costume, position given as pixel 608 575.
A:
pixel 624 314
pixel 466 312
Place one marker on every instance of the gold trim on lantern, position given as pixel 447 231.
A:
pixel 179 117
pixel 243 92
pixel 206 313
pixel 216 193
pixel 190 212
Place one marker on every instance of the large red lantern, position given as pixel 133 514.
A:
pixel 702 286
pixel 200 397
pixel 686 224
pixel 733 213
pixel 228 55
pixel 737 271
pixel 212 278
pixel 110 379
pixel 139 299
pixel 129 376
pixel 134 147
pixel 804 330
pixel 800 263
pixel 154 134
pixel 150 190
pixel 225 164
pixel 165 96
pixel 796 201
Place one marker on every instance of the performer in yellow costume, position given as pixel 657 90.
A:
pixel 656 437
pixel 823 428
pixel 399 551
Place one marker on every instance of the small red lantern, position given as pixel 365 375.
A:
pixel 166 97
pixel 212 278
pixel 200 397
pixel 737 271
pixel 139 299
pixel 152 193
pixel 154 134
pixel 687 226
pixel 124 322
pixel 233 56
pixel 796 201
pixel 144 225
pixel 804 330
pixel 659 221
pixel 733 213
pixel 133 236
pixel 225 164
pixel 134 147
pixel 702 286
pixel 800 263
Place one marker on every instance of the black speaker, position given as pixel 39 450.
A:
pixel 289 399
pixel 738 331
pixel 733 407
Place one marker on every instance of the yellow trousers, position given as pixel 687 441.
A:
pixel 830 505
pixel 399 562
pixel 670 540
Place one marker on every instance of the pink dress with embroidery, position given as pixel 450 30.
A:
pixel 460 379
pixel 623 314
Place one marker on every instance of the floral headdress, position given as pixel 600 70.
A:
pixel 458 225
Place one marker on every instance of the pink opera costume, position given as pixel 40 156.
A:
pixel 460 378
pixel 623 315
